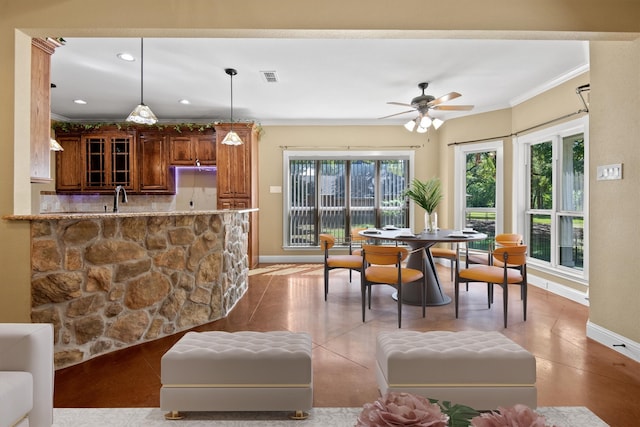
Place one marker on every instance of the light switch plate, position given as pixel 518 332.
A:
pixel 609 172
pixel 275 189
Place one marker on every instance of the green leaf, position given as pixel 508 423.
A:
pixel 426 194
pixel 459 415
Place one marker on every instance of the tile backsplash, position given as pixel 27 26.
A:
pixel 52 202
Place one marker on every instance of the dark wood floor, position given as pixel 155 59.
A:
pixel 572 370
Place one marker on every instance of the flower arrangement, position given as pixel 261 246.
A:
pixel 398 409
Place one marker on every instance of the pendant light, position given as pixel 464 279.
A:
pixel 231 138
pixel 142 114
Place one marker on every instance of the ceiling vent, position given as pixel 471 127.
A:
pixel 269 76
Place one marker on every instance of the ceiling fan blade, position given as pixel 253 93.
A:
pixel 400 103
pixel 397 114
pixel 444 98
pixel 453 107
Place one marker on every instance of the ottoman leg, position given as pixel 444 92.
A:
pixel 173 415
pixel 299 415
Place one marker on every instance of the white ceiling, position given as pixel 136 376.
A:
pixel 321 81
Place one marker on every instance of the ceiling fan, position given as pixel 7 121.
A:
pixel 422 104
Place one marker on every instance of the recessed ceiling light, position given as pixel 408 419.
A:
pixel 126 57
pixel 80 101
pixel 184 102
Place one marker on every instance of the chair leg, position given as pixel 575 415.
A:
pixel 400 306
pixel 505 303
pixel 524 300
pixel 489 294
pixel 456 287
pixel 326 282
pixel 424 298
pixel 363 290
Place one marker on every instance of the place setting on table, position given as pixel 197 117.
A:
pixel 424 239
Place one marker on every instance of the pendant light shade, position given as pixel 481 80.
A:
pixel 231 138
pixel 142 114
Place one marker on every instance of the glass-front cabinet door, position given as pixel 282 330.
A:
pixel 109 159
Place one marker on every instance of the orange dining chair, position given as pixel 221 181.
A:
pixel 356 241
pixel 485 258
pixel 382 265
pixel 509 256
pixel 446 253
pixel 350 261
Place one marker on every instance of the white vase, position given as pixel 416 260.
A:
pixel 430 222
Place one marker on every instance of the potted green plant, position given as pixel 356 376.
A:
pixel 426 194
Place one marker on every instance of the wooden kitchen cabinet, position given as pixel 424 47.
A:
pixel 69 168
pixel 188 148
pixel 237 164
pixel 154 173
pixel 237 177
pixel 109 161
pixel 41 51
pixel 137 157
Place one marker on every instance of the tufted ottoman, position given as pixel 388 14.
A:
pixel 239 371
pixel 483 370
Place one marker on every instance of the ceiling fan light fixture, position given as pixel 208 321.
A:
pixel 231 138
pixel 142 114
pixel 425 121
pixel 410 125
pixel 421 129
pixel 437 123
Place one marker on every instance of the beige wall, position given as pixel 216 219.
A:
pixel 615 205
pixel 613 120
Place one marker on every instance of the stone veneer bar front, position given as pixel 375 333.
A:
pixel 112 280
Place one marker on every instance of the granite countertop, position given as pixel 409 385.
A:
pixel 99 214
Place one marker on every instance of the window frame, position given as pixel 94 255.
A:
pixel 460 170
pixel 288 155
pixel 521 193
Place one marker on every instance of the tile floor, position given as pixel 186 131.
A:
pixel 571 369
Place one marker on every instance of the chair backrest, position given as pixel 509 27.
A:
pixel 509 239
pixel 384 255
pixel 512 255
pixel 327 241
pixel 355 235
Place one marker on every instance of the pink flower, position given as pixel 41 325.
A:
pixel 402 409
pixel 515 416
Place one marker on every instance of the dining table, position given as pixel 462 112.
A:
pixel 411 292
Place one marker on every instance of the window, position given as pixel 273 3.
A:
pixel 553 197
pixel 337 192
pixel 479 190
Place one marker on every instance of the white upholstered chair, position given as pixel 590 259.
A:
pixel 26 374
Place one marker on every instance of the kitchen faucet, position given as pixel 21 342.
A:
pixel 115 197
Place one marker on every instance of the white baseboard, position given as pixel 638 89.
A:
pixel 614 341
pixel 558 289
pixel 290 259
